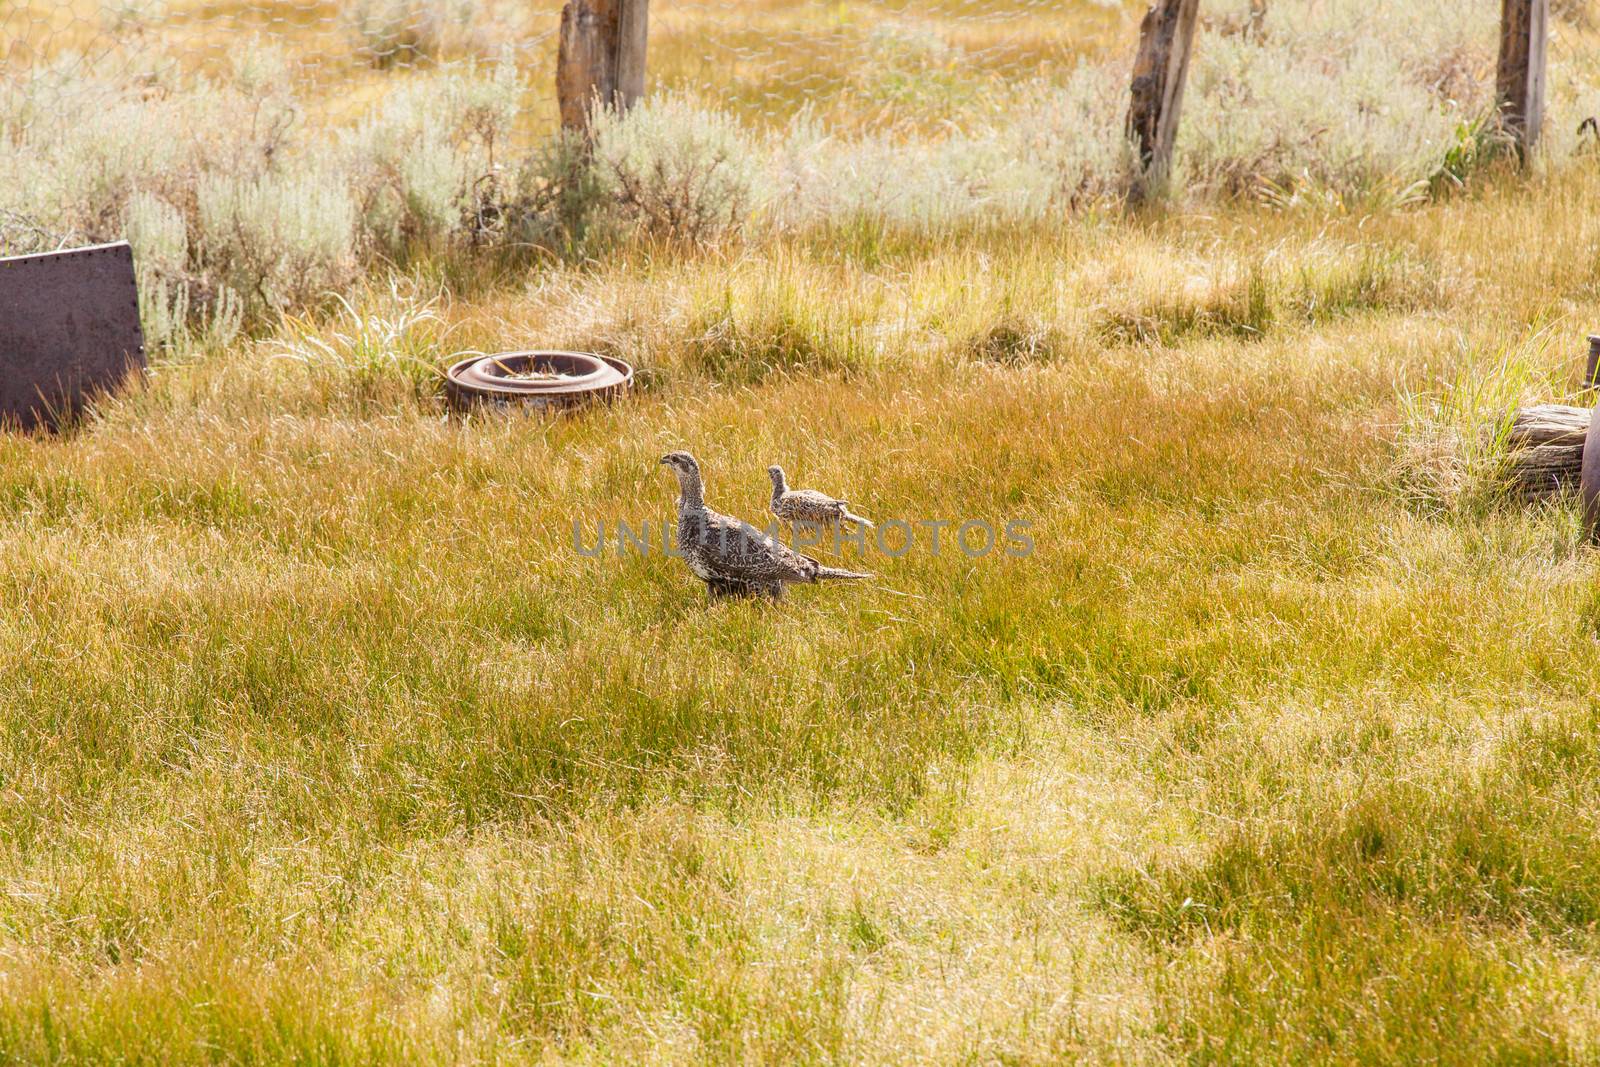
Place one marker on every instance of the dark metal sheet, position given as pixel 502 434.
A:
pixel 1589 478
pixel 69 331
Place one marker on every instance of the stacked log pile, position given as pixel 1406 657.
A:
pixel 1546 450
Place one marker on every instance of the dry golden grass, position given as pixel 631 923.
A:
pixel 319 742
pixel 322 743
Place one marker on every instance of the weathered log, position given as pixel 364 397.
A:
pixel 1545 471
pixel 1549 424
pixel 1545 446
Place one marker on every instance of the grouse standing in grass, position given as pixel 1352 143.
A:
pixel 734 558
pixel 807 506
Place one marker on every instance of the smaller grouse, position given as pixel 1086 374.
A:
pixel 734 558
pixel 807 506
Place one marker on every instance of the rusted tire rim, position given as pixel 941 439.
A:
pixel 585 376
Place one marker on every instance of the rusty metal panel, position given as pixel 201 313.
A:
pixel 69 331
pixel 1589 478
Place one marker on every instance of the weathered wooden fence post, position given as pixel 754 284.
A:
pixel 601 59
pixel 1519 75
pixel 1165 37
pixel 1258 18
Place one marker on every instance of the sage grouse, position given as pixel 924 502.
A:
pixel 734 558
pixel 808 505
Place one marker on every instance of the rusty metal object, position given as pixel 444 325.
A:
pixel 1589 478
pixel 541 380
pixel 69 332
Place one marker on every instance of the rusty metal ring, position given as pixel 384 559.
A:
pixel 541 379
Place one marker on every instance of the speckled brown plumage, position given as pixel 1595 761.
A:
pixel 809 506
pixel 734 558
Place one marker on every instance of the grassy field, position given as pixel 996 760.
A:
pixel 319 742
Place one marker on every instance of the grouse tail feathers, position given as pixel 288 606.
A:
pixel 835 573
pixel 851 516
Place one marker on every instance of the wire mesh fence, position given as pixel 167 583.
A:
pixel 858 64
pixel 849 63
pixel 261 153
pixel 1574 72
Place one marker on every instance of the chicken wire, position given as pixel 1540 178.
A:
pixel 1573 48
pixel 866 62
pixel 850 62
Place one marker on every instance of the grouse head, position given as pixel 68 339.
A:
pixel 680 461
pixel 775 472
pixel 684 466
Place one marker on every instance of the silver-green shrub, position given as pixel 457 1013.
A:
pixel 390 32
pixel 402 33
pixel 1056 149
pixel 278 239
pixel 1347 103
pixel 678 170
pixel 428 163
